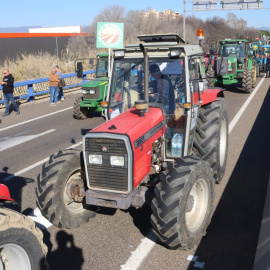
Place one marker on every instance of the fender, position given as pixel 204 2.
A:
pixel 211 94
pixel 4 193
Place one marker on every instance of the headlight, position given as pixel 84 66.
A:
pixel 84 91
pixel 117 161
pixel 95 159
pixel 93 91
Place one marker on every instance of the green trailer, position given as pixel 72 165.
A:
pixel 93 91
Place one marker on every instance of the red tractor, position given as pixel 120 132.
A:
pixel 21 244
pixel 166 134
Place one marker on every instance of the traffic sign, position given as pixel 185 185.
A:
pixel 110 35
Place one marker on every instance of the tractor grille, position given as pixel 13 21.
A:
pixel 106 176
pixel 94 145
pixel 91 96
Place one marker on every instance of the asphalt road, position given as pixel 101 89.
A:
pixel 117 239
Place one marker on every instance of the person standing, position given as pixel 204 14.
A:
pixel 8 89
pixel 164 88
pixel 53 83
pixel 61 93
pixel 267 66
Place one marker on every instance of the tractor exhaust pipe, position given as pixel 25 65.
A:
pixel 146 88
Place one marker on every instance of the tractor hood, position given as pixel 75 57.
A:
pixel 96 82
pixel 132 124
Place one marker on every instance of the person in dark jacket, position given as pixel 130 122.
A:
pixel 8 89
pixel 267 66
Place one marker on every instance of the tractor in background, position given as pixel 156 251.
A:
pixel 234 64
pixel 166 136
pixel 93 91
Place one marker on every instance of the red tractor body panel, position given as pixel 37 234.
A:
pixel 142 132
pixel 210 95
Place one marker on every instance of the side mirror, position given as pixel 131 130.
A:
pixel 79 70
pixel 91 61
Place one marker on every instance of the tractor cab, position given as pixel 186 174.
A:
pixel 175 82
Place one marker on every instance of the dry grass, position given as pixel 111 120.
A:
pixel 34 66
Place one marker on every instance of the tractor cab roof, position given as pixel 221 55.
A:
pixel 102 55
pixel 162 43
pixel 228 41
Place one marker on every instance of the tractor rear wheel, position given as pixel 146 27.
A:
pixel 211 136
pixel 258 71
pixel 78 111
pixel 21 244
pixel 54 199
pixel 183 203
pixel 254 74
pixel 210 74
pixel 247 81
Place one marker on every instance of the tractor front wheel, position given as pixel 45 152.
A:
pixel 247 81
pixel 78 111
pixel 63 173
pixel 21 244
pixel 183 203
pixel 211 136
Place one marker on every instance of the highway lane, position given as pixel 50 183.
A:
pixel 108 240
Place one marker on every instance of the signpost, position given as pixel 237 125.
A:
pixel 110 35
pixel 213 5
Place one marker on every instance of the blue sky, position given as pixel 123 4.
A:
pixel 67 13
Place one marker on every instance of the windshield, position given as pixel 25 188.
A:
pixel 266 50
pixel 166 84
pixel 236 49
pixel 102 67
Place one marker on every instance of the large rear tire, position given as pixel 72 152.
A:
pixel 247 81
pixel 78 111
pixel 53 191
pixel 254 74
pixel 21 244
pixel 183 203
pixel 211 136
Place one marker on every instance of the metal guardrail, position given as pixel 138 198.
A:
pixel 29 89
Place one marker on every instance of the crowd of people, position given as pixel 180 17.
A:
pixel 56 89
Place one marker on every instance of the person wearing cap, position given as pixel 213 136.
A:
pixel 163 86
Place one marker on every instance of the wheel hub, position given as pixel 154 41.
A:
pixel 190 203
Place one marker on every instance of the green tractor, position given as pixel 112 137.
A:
pixel 93 91
pixel 234 64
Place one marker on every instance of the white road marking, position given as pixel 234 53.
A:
pixel 34 119
pixel 192 258
pixel 14 140
pixel 241 111
pixel 35 165
pixel 43 223
pixel 140 253
pixel 199 265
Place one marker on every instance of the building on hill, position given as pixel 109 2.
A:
pixel 162 14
